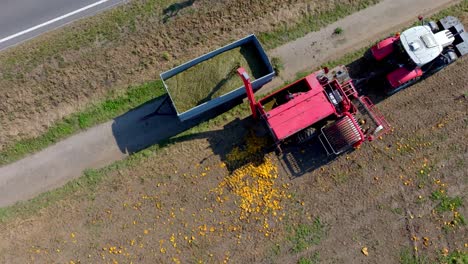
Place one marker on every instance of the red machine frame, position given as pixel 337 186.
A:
pixel 324 100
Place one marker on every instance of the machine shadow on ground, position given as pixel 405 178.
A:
pixel 142 127
pixel 294 159
pixel 156 122
pixel 369 77
pixel 298 160
pixel 232 135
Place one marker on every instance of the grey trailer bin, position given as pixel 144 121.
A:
pixel 199 109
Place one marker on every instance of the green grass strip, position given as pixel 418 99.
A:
pixel 97 113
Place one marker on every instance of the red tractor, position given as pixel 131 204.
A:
pixel 324 103
pixel 420 51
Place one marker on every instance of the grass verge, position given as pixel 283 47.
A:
pixel 94 114
pixel 115 23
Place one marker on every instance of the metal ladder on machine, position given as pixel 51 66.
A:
pixel 375 112
pixel 348 89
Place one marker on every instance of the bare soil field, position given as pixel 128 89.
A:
pixel 59 73
pixel 221 197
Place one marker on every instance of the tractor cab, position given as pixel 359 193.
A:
pixel 420 51
pixel 422 45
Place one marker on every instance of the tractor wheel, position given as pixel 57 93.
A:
pixel 452 56
pixel 447 58
pixel 368 56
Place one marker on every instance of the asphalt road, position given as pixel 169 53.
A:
pixel 21 20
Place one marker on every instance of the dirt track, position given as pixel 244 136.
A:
pixel 95 147
pixel 43 81
pixel 111 141
pixel 376 197
pixel 169 208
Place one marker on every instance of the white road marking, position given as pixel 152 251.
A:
pixel 53 21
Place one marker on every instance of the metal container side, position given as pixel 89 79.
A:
pixel 227 97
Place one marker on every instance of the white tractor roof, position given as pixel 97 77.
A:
pixel 421 44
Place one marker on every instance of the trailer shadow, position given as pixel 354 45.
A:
pixel 155 122
pixel 142 127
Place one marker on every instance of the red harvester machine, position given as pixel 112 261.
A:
pixel 324 103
